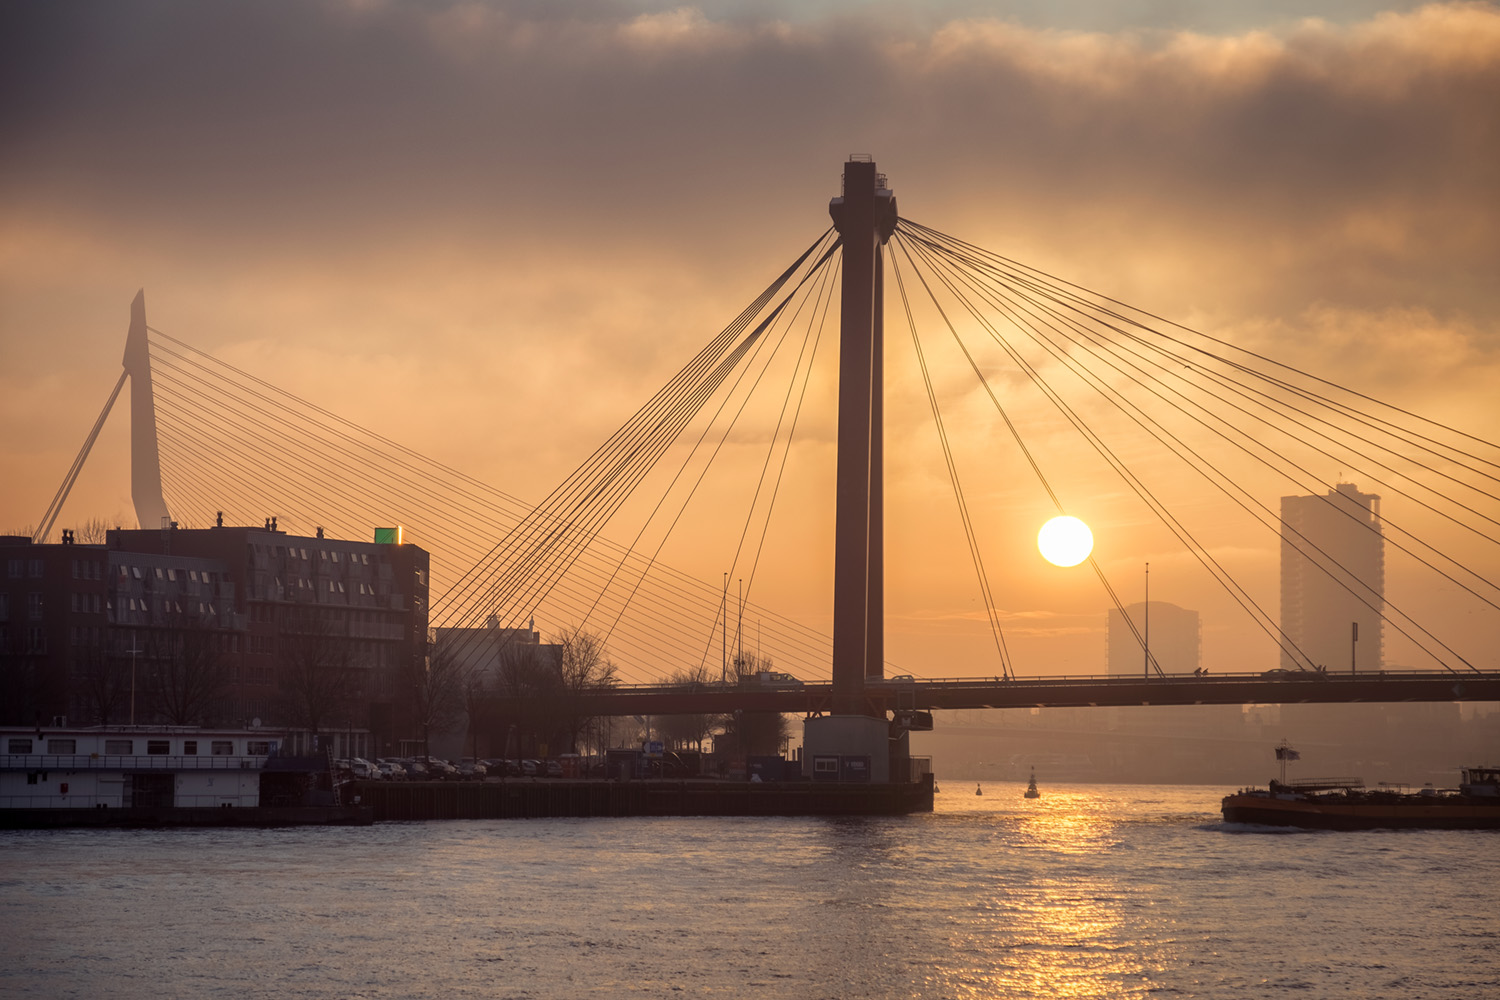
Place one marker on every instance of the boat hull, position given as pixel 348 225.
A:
pixel 1405 812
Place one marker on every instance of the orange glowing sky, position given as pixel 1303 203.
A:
pixel 489 231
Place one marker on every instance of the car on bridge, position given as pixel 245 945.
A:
pixel 769 679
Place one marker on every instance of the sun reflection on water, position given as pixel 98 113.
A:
pixel 1053 920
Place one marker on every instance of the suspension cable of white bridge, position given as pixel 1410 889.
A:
pixel 244 425
pixel 523 569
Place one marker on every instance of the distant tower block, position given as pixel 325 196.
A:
pixel 1176 639
pixel 1333 578
pixel 145 460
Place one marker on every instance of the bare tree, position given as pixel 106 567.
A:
pixel 529 684
pixel 187 676
pixel 436 688
pixel 754 733
pixel 314 672
pixel 687 732
pixel 583 666
pixel 478 707
pixel 25 688
pixel 103 680
pixel 95 530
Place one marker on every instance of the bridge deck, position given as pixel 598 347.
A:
pixel 990 692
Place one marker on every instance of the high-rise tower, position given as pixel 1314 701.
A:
pixel 1333 580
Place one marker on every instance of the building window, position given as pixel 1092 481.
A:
pixel 258 748
pixel 14 569
pixel 18 746
pixel 158 748
pixel 126 747
pixel 190 748
pixel 4 607
pixel 34 606
pixel 222 748
pixel 35 568
pixel 62 746
pixel 36 640
pixel 159 573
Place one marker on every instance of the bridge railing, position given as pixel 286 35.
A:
pixel 1061 680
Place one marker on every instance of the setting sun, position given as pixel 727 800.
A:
pixel 1065 541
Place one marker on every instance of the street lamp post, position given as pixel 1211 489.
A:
pixel 133 651
pixel 1146 639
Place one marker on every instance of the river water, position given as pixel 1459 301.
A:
pixel 1091 891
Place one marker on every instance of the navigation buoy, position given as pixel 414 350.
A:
pixel 978 790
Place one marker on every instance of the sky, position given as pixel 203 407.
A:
pixel 489 231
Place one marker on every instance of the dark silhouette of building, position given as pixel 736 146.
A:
pixel 220 625
pixel 1176 639
pixel 1332 580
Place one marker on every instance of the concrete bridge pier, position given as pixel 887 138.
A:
pixel 855 743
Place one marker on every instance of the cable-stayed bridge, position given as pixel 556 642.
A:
pixel 228 441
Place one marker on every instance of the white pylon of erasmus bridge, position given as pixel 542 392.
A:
pixel 217 439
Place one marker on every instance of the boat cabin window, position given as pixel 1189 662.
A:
pixel 258 748
pixel 119 746
pixel 62 746
pixel 223 748
pixel 18 746
pixel 158 747
pixel 190 748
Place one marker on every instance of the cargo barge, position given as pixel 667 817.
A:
pixel 1345 804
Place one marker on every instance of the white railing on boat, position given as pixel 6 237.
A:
pixel 135 762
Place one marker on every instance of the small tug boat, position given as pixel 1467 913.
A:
pixel 1346 804
pixel 1031 792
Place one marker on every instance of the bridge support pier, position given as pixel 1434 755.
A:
pixel 846 748
pixel 854 743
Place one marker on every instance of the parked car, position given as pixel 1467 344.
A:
pixel 473 770
pixel 530 768
pixel 439 768
pixel 554 769
pixel 391 771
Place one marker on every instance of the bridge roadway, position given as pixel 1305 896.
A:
pixel 1048 692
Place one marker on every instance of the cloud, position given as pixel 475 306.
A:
pixel 480 210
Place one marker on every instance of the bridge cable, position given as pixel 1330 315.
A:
pixel 1114 397
pixel 987 595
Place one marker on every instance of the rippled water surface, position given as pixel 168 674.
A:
pixel 1091 891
